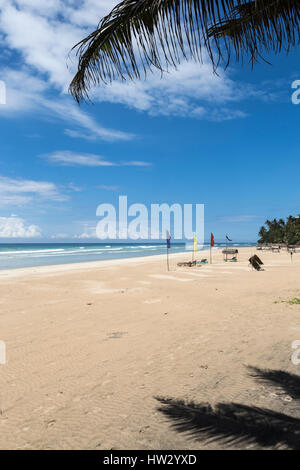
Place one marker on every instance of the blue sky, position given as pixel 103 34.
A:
pixel 230 141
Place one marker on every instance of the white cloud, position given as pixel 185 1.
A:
pixel 70 112
pixel 179 93
pixel 136 163
pixel 89 12
pixel 43 41
pixel 74 187
pixel 44 32
pixel 25 92
pixel 86 235
pixel 45 8
pixel 80 135
pixel 60 236
pixel 89 232
pixel 68 158
pixel 219 114
pixel 108 187
pixel 18 192
pixel 15 227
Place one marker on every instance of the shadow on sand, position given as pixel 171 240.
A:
pixel 236 424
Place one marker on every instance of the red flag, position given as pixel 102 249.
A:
pixel 212 240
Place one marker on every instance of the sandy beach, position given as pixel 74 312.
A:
pixel 91 347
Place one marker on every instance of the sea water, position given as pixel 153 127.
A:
pixel 20 255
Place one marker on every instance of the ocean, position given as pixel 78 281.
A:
pixel 21 255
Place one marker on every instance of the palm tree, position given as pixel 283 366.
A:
pixel 139 35
pixel 279 231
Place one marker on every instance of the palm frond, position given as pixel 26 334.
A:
pixel 139 35
pixel 259 26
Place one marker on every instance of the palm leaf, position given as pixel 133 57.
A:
pixel 139 35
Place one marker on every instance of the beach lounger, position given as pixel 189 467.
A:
pixel 256 263
pixel 257 259
pixel 187 263
pixel 234 259
pixel 203 261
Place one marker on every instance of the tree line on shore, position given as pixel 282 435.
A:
pixel 281 231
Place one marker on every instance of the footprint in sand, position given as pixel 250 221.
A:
pixel 116 334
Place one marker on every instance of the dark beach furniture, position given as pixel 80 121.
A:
pixel 233 252
pixel 274 247
pixel 187 263
pixel 256 263
pixel 265 246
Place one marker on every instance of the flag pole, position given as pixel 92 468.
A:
pixel 168 266
pixel 168 237
pixel 212 243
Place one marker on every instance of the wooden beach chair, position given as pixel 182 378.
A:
pixel 188 264
pixel 256 263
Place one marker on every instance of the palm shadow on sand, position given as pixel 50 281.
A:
pixel 236 424
pixel 289 383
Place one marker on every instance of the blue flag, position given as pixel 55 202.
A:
pixel 168 239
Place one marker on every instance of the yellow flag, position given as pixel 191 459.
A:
pixel 195 244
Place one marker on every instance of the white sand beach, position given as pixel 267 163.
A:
pixel 91 346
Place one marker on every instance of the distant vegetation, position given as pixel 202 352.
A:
pixel 280 231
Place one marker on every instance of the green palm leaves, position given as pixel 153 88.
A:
pixel 140 35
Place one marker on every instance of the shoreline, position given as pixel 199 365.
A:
pixel 88 265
